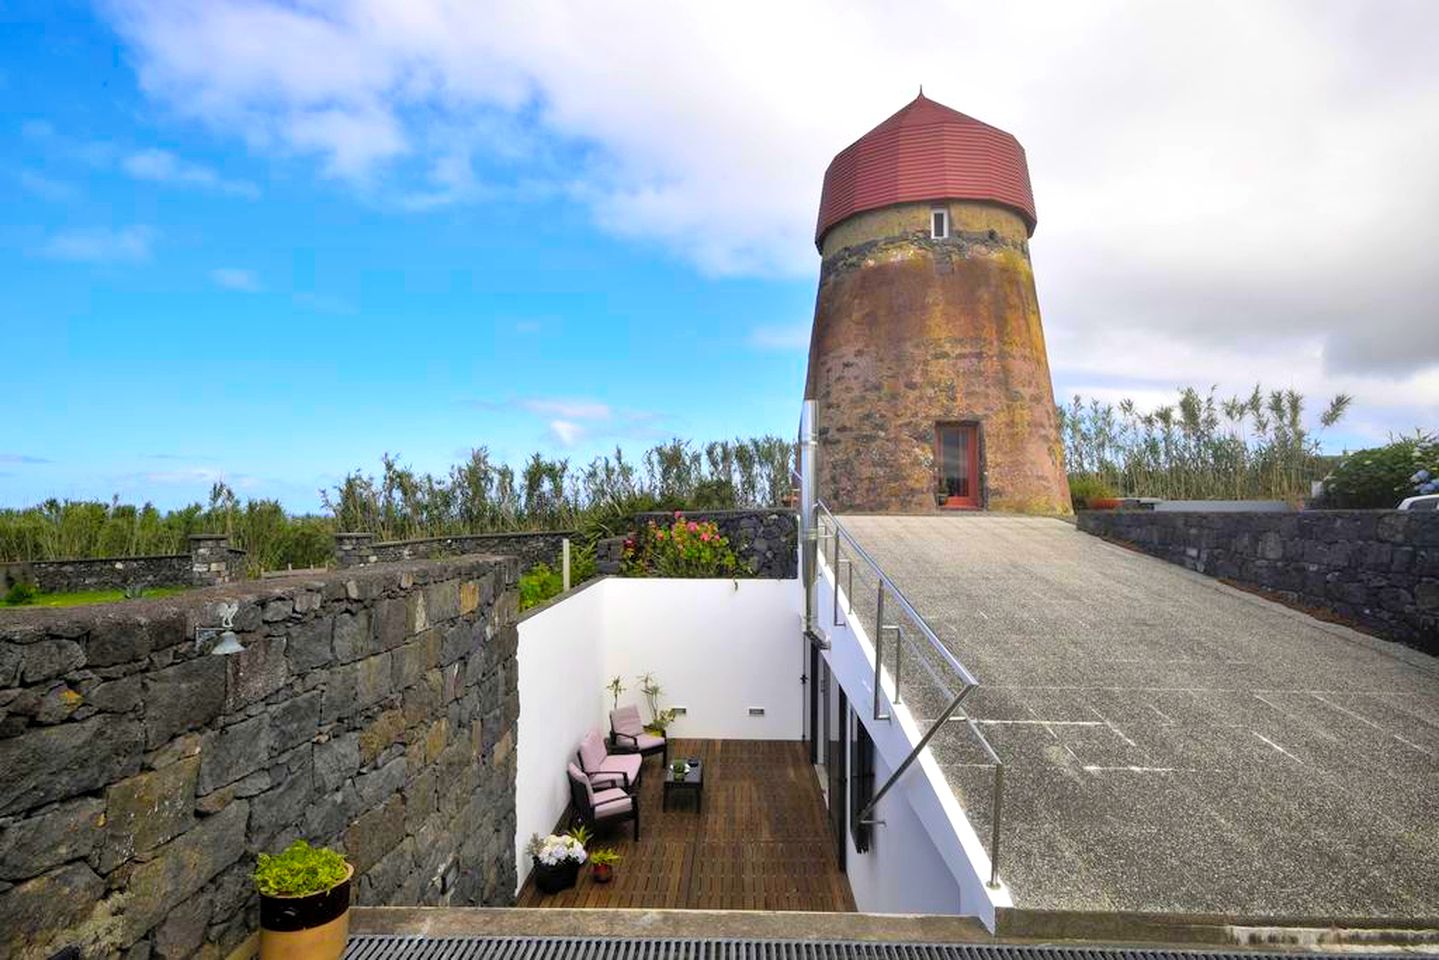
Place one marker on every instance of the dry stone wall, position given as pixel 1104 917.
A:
pixel 211 560
pixel 358 549
pixel 372 710
pixel 1378 569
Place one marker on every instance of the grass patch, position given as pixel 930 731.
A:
pixel 82 598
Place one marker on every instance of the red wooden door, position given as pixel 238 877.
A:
pixel 958 466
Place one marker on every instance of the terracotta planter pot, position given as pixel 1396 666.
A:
pixel 312 927
pixel 604 872
pixel 553 879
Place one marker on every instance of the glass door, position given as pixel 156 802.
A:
pixel 958 457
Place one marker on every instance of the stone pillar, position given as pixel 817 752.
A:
pixel 209 559
pixel 353 550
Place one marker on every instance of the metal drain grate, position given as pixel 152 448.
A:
pixel 375 947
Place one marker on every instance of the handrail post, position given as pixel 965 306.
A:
pixel 898 660
pixel 849 565
pixel 994 826
pixel 879 653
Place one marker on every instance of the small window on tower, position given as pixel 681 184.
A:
pixel 939 224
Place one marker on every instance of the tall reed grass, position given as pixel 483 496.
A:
pixel 476 496
pixel 1200 447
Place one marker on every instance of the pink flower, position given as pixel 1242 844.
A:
pixel 679 515
pixel 693 526
pixel 705 537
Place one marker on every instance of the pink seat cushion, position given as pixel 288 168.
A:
pixel 592 751
pixel 578 776
pixel 622 763
pixel 649 740
pixel 626 720
pixel 608 802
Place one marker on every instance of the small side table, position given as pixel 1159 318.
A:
pixel 693 781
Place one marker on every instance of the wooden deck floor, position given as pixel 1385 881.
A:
pixel 761 842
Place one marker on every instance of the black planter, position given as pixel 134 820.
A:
pixel 553 879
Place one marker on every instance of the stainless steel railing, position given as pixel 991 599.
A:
pixel 937 660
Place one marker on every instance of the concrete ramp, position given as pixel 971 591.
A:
pixel 1172 745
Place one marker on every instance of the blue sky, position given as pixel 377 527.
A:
pixel 255 322
pixel 269 242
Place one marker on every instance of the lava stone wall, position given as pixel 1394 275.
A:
pixel 910 331
pixel 357 549
pixel 211 560
pixel 768 540
pixel 1378 569
pixel 98 573
pixel 372 710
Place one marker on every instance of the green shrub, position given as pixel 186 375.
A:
pixel 686 548
pixel 20 593
pixel 299 871
pixel 541 582
pixel 1382 476
pixel 538 584
pixel 1086 487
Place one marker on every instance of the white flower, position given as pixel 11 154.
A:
pixel 555 849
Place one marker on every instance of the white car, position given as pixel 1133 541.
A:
pixel 1430 501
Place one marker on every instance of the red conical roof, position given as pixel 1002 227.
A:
pixel 926 151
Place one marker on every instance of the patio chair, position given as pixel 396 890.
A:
pixel 628 735
pixel 594 807
pixel 607 769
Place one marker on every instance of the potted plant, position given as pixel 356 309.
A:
pixel 616 687
pixel 603 863
pixel 680 769
pixel 557 860
pixel 304 903
pixel 659 719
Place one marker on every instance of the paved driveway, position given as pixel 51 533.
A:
pixel 1171 744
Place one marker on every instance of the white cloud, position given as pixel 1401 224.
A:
pixel 201 475
pixel 46 188
pixel 162 166
pixel 1229 179
pixel 570 409
pixel 101 244
pixel 236 278
pixel 567 433
pixel 793 337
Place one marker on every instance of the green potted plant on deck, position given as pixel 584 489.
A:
pixel 304 903
pixel 603 863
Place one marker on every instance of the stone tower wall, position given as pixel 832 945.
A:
pixel 910 331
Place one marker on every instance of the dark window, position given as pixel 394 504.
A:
pixel 939 224
pixel 861 781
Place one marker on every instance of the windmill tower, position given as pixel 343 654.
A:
pixel 927 359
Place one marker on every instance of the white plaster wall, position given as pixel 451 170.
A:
pixel 926 858
pixel 717 647
pixel 560 661
pixel 902 872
